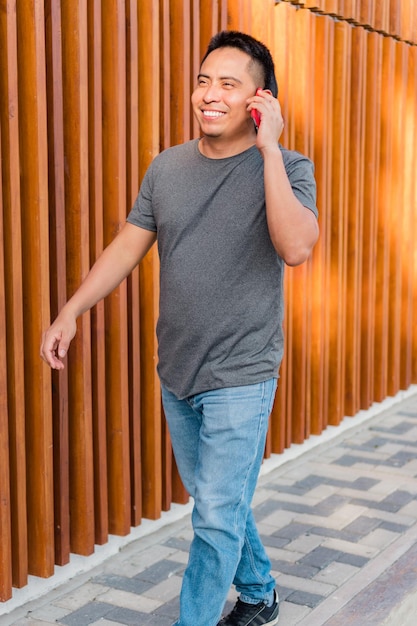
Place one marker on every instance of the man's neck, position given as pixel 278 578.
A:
pixel 216 148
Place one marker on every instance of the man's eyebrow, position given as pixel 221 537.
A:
pixel 237 80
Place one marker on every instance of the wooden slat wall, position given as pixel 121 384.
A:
pixel 90 92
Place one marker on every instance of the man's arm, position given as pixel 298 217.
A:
pixel 115 263
pixel 293 228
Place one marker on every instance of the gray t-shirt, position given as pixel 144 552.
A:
pixel 221 300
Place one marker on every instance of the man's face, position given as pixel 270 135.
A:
pixel 227 78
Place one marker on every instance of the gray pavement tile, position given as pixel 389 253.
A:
pixel 134 585
pixel 400 429
pixel 304 598
pixel 178 543
pixel 133 618
pixel 291 531
pixel 169 609
pixel 401 458
pixel 352 559
pixel 348 460
pixel 392 503
pixel 393 527
pixel 271 541
pixel 362 525
pixel 294 569
pixel 159 571
pixel 266 508
pixel 333 533
pixel 320 557
pixel 87 614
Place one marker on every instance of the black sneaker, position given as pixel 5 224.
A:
pixel 244 614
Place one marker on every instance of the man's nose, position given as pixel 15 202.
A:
pixel 211 94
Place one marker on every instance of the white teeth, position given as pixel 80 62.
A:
pixel 213 113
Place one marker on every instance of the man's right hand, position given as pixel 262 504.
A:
pixel 56 340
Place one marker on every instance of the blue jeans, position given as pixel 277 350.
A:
pixel 218 438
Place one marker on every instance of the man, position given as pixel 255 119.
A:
pixel 229 211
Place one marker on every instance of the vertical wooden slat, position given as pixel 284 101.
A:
pixel 413 260
pixel 382 294
pixel 180 71
pixel 35 281
pixel 281 413
pixel 149 94
pixel 9 113
pixel 381 17
pixel 114 207
pixel 5 504
pixel 56 167
pixel 322 132
pixel 337 284
pixel 132 186
pixel 302 109
pixel 75 91
pixel 372 148
pixel 355 223
pixel 397 200
pixel 408 220
pixel 98 352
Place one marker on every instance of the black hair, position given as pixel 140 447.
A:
pixel 258 52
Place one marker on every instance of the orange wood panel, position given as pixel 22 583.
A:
pixel 366 12
pixel 165 76
pixel 75 97
pixel 5 504
pixel 338 222
pixel 57 252
pixel 322 145
pixel 350 10
pixel 262 23
pixel 195 55
pixel 394 18
pixel 35 281
pixel 208 21
pixel 384 212
pixel 408 221
pixel 114 208
pixel 281 413
pixel 150 397
pixel 180 71
pixel 330 6
pixel 132 136
pixel 355 220
pixel 95 190
pixel 406 20
pixel 381 19
pixel 239 15
pixel 397 200
pixel 301 109
pixel 413 260
pixel 369 240
pixel 9 116
pixel 150 54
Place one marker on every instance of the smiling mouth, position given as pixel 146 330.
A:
pixel 213 114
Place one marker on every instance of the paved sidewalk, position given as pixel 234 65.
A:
pixel 339 523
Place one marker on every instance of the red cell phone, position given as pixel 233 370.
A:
pixel 256 116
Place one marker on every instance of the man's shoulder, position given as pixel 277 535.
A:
pixel 293 157
pixel 179 151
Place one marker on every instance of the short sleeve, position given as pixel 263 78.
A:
pixel 300 172
pixel 142 210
